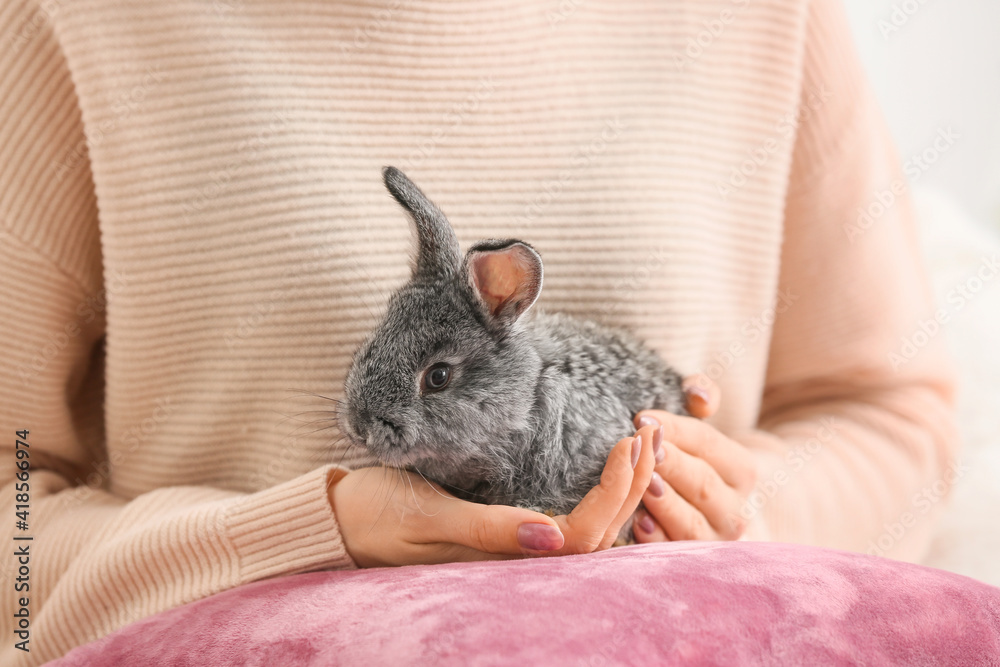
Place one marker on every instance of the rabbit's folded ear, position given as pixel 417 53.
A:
pixel 438 252
pixel 506 276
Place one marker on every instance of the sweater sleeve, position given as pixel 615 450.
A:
pixel 856 439
pixel 96 561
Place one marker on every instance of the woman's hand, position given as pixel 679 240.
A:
pixel 392 517
pixel 702 478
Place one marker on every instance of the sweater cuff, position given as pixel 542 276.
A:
pixel 287 528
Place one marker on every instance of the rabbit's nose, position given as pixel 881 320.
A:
pixel 357 421
pixel 386 424
pixel 382 435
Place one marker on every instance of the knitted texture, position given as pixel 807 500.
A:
pixel 195 238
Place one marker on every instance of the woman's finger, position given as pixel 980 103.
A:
pixel 492 529
pixel 646 529
pixel 703 395
pixel 456 553
pixel 732 460
pixel 677 518
pixel 651 439
pixel 700 485
pixel 586 526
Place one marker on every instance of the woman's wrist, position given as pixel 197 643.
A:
pixel 332 478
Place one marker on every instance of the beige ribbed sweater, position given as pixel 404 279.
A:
pixel 196 238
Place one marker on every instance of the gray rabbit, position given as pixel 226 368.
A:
pixel 459 383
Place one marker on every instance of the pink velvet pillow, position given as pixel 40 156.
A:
pixel 684 603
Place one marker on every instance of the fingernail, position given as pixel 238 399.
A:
pixel 539 537
pixel 661 455
pixel 636 450
pixel 646 524
pixel 695 390
pixel 647 421
pixel 656 485
pixel 657 441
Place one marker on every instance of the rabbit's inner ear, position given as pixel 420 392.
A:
pixel 506 279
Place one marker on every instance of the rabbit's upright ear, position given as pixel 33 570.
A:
pixel 506 276
pixel 438 252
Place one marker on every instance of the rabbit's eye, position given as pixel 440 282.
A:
pixel 436 377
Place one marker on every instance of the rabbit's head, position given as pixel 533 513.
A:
pixel 450 369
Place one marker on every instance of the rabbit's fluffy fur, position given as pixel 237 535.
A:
pixel 534 402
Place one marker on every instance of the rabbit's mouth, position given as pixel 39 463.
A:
pixel 387 425
pixel 403 455
pixel 385 437
pixel 392 439
pixel 381 436
pixel 409 458
pixel 389 442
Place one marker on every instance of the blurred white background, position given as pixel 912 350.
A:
pixel 935 64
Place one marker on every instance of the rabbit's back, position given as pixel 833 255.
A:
pixel 607 363
pixel 594 379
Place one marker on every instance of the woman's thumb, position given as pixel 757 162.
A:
pixel 498 529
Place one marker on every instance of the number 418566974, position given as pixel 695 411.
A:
pixel 22 487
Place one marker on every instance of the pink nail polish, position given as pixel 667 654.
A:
pixel 539 537
pixel 636 450
pixel 646 525
pixel 646 420
pixel 661 455
pixel 695 390
pixel 656 485
pixel 657 441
